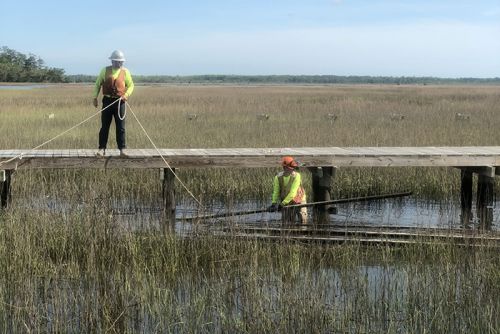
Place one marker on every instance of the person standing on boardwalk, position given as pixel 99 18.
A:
pixel 116 82
pixel 288 190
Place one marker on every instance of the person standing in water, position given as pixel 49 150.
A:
pixel 288 190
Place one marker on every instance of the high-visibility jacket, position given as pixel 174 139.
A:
pixel 114 82
pixel 288 189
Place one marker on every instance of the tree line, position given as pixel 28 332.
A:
pixel 18 67
pixel 294 79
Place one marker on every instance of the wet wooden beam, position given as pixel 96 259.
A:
pixel 395 232
pixel 321 187
pixel 5 187
pixel 485 198
pixel 168 190
pixel 483 170
pixel 466 196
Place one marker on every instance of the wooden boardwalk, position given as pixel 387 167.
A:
pixel 321 161
pixel 365 235
pixel 474 156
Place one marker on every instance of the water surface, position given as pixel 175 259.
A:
pixel 23 87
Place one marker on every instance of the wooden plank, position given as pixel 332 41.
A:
pixel 8 153
pixel 445 150
pixel 491 149
pixel 357 151
pixel 139 153
pixel 332 150
pixel 254 151
pixel 377 151
pixel 149 153
pixel 372 231
pixel 343 239
pixel 470 150
pixel 315 151
pixel 88 153
pixel 263 157
pixel 420 151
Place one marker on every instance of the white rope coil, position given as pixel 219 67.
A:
pixel 124 108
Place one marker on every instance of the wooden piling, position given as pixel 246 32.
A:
pixel 5 185
pixel 321 186
pixel 484 202
pixel 168 191
pixel 466 196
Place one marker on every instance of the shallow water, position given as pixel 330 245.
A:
pixel 381 296
pixel 390 212
pixel 402 212
pixel 22 87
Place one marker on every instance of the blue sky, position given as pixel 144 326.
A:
pixel 342 37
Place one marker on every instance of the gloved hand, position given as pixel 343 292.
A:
pixel 280 207
pixel 95 103
pixel 275 207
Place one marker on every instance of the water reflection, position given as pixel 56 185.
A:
pixel 136 215
pixel 390 212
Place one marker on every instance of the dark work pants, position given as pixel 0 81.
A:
pixel 106 117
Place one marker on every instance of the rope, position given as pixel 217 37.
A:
pixel 20 156
pixel 124 108
pixel 163 158
pixel 89 118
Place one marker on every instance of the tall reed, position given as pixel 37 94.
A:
pixel 72 262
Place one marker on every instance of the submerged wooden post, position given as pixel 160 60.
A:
pixel 466 196
pixel 168 191
pixel 484 203
pixel 321 186
pixel 5 183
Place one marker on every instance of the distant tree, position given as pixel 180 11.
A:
pixel 295 79
pixel 17 67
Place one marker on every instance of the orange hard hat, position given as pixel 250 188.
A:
pixel 289 162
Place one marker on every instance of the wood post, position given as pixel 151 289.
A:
pixel 466 196
pixel 5 183
pixel 484 202
pixel 168 191
pixel 321 186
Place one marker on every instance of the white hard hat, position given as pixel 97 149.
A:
pixel 117 55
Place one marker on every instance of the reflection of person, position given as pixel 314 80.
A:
pixel 288 190
pixel 116 83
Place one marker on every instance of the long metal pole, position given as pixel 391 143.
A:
pixel 335 201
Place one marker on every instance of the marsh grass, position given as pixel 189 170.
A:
pixel 298 118
pixel 82 273
pixel 68 265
